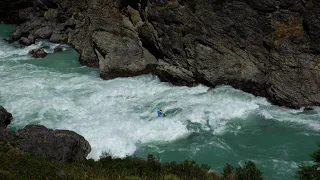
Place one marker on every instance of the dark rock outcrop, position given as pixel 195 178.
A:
pixel 269 48
pixel 44 32
pixel 25 41
pixel 60 145
pixel 5 118
pixel 38 53
pixel 58 49
pixel 7 136
pixel 32 38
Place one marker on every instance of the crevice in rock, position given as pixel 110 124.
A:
pixel 199 78
pixel 72 26
pixel 96 47
pixel 267 46
pixel 151 48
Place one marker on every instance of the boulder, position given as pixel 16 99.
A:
pixel 32 38
pixel 51 14
pixel 121 56
pixel 16 34
pixel 5 118
pixel 25 41
pixel 58 38
pixel 174 74
pixel 44 32
pixel 58 49
pixel 61 145
pixel 38 53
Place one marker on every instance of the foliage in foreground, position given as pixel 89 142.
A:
pixel 14 165
pixel 311 172
pixel 249 171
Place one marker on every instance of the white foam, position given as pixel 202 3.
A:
pixel 295 117
pixel 11 52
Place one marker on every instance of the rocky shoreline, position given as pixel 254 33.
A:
pixel 268 48
pixel 60 145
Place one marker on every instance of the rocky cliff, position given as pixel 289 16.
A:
pixel 267 47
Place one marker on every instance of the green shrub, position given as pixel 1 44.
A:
pixel 248 172
pixel 311 172
pixel 14 165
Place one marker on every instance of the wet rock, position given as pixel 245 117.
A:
pixel 16 34
pixel 308 109
pixel 61 145
pixel 38 53
pixel 5 118
pixel 25 41
pixel 32 38
pixel 58 49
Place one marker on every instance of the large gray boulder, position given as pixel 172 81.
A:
pixel 61 145
pixel 25 41
pixel 5 118
pixel 38 53
pixel 44 32
pixel 122 56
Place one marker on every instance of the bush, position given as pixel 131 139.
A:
pixel 311 172
pixel 14 165
pixel 248 172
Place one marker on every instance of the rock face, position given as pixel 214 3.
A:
pixel 266 47
pixel 5 118
pixel 60 145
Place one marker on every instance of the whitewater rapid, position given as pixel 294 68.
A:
pixel 116 116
